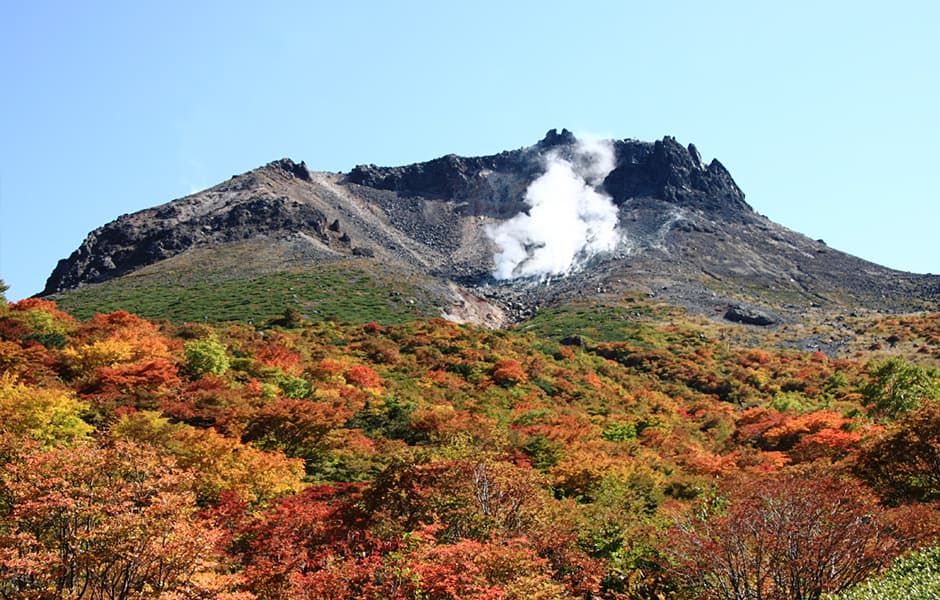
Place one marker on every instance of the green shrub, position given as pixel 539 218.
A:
pixel 206 356
pixel 900 386
pixel 294 387
pixel 912 577
pixel 791 401
pixel 619 432
pixel 543 452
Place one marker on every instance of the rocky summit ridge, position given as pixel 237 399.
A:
pixel 686 234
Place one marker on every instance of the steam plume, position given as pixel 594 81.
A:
pixel 568 220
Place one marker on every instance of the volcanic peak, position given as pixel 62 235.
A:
pixel 664 169
pixel 685 232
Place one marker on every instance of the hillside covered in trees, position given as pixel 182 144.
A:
pixel 619 450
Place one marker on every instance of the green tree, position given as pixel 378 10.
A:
pixel 206 356
pixel 899 386
pixel 619 432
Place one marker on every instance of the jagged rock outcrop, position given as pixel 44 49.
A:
pixel 667 170
pixel 455 177
pixel 663 169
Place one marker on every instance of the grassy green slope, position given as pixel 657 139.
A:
pixel 332 291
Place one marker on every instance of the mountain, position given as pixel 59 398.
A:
pixel 492 239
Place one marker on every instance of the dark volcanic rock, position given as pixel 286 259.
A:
pixel 446 177
pixel 668 171
pixel 297 170
pixel 737 313
pixel 554 139
pixel 664 169
pixel 263 215
pixel 573 340
pixel 456 177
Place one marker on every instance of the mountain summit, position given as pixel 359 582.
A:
pixel 493 238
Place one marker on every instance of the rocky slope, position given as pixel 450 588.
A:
pixel 686 235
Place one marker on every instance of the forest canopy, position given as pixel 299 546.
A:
pixel 434 460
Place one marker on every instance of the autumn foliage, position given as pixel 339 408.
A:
pixel 440 461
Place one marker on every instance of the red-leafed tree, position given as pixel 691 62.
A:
pixel 276 353
pixel 314 544
pixel 363 376
pixel 791 537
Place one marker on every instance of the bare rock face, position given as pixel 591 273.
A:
pixel 485 186
pixel 455 177
pixel 686 234
pixel 664 169
pixel 676 174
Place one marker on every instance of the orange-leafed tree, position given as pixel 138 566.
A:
pixel 278 353
pixel 300 428
pixel 90 522
pixel 219 463
pixel 363 376
pixel 119 358
pixel 467 498
pixel 509 372
pixel 128 338
pixel 472 570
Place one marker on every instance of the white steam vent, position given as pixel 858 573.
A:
pixel 569 220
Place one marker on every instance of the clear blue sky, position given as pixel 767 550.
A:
pixel 826 113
